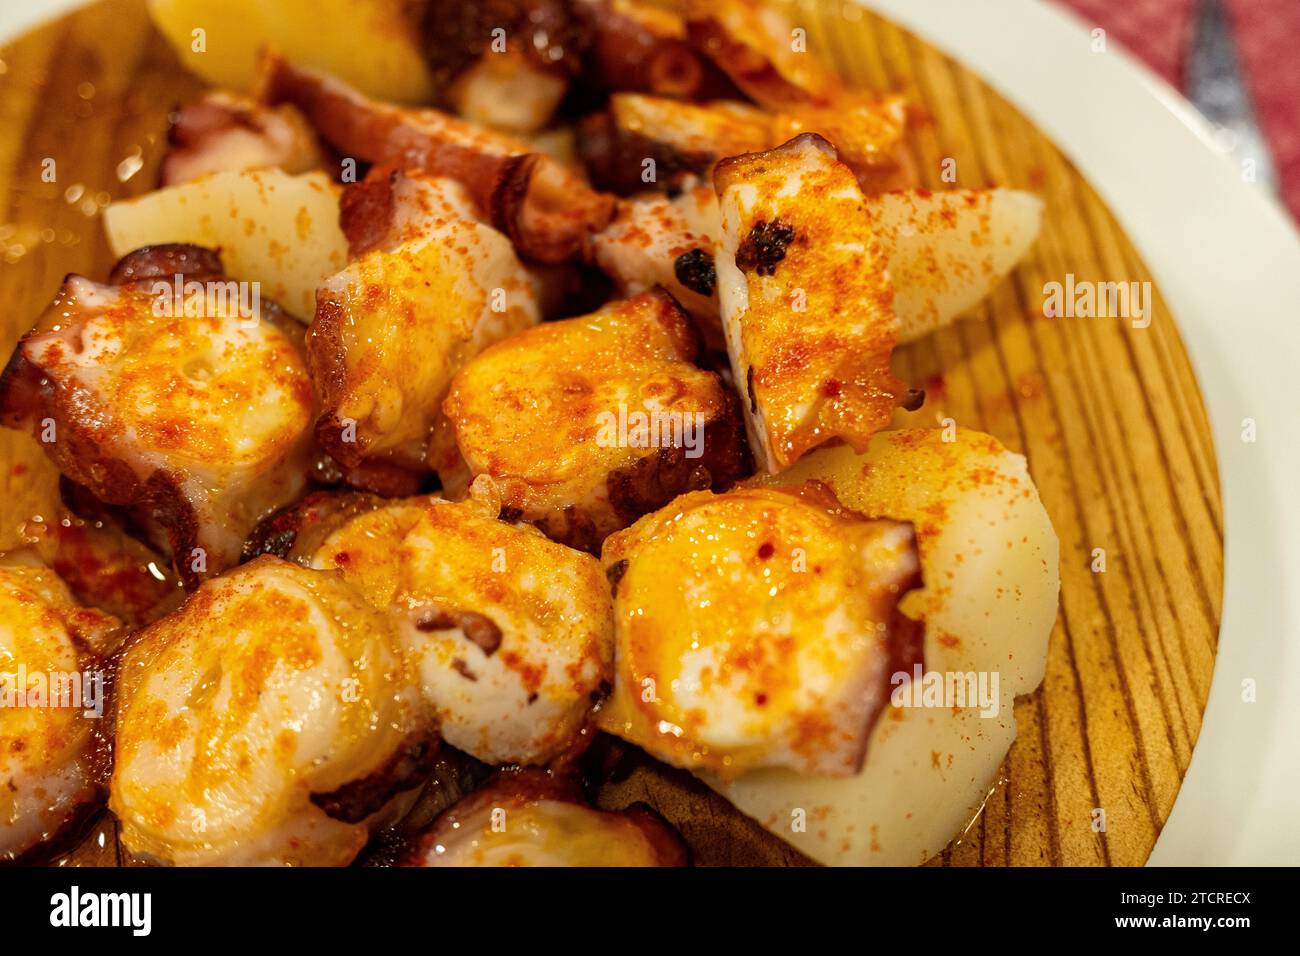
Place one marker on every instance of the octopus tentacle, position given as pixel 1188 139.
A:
pixel 546 209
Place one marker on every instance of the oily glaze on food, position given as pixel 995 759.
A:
pixel 269 721
pixel 989 563
pixel 945 251
pixel 529 819
pixel 428 287
pixel 195 413
pixel 771 641
pixel 51 760
pixel 806 301
pixel 628 286
pixel 588 423
pixel 509 633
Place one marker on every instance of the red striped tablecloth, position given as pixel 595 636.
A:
pixel 1267 36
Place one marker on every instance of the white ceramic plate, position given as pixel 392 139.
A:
pixel 1228 262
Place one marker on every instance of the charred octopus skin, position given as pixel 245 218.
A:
pixel 510 633
pixel 52 674
pixel 945 250
pixel 296 531
pixel 546 209
pixel 685 141
pixel 192 409
pixel 588 423
pixel 807 303
pixel 770 642
pixel 679 142
pixel 270 721
pixel 532 819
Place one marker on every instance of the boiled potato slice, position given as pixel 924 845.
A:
pixel 371 44
pixel 272 228
pixel 948 250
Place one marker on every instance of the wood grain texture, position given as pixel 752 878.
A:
pixel 1109 417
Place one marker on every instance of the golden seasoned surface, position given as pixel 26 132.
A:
pixel 758 47
pixel 689 138
pixel 189 398
pixel 720 128
pixel 807 304
pixel 49 647
pixel 989 563
pixel 752 42
pixel 868 134
pixel 989 555
pixel 511 632
pixel 394 326
pixel 753 629
pixel 553 412
pixel 1137 685
pixel 206 385
pixel 273 683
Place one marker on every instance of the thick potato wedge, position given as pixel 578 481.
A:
pixel 371 44
pixel 272 228
pixel 949 250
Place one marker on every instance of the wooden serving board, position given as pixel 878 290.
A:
pixel 1109 417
